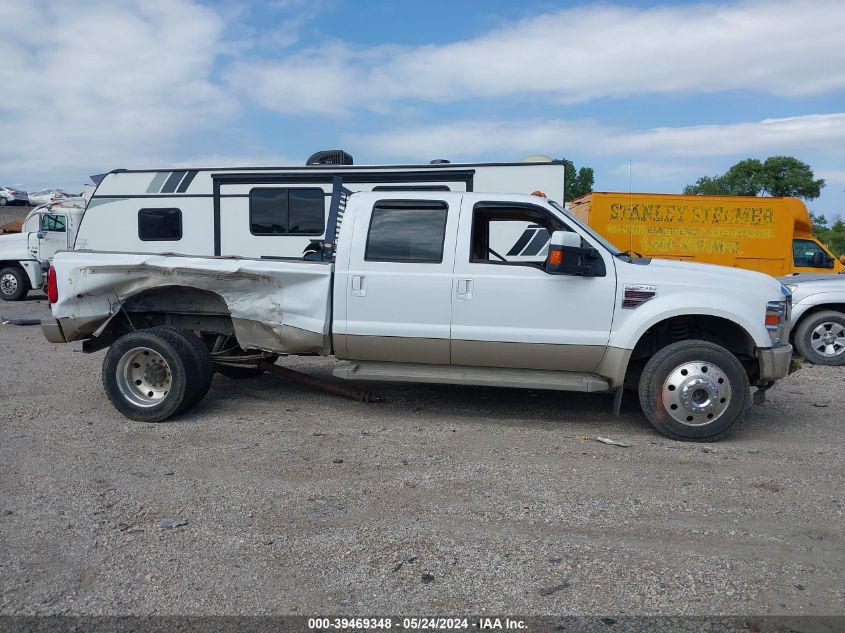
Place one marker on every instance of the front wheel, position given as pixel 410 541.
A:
pixel 820 338
pixel 694 391
pixel 14 284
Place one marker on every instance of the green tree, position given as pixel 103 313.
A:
pixel 788 176
pixel 836 238
pixel 776 176
pixel 576 183
pixel 820 228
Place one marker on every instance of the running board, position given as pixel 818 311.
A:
pixel 483 376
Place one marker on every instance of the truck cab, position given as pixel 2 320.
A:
pixel 25 257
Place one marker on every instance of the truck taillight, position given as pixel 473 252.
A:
pixel 52 286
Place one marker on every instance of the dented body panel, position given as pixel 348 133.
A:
pixel 277 306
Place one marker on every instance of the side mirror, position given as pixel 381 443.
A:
pixel 568 257
pixel 41 234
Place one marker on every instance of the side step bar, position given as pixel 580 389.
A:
pixel 460 375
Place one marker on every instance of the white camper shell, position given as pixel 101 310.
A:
pixel 265 212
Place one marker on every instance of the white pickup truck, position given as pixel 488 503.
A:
pixel 419 287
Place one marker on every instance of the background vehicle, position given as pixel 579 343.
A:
pixel 25 256
pixel 10 195
pixel 47 196
pixel 770 235
pixel 413 289
pixel 818 317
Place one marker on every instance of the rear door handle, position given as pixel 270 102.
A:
pixel 359 286
pixel 465 289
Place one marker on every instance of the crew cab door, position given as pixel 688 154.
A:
pixel 398 283
pixel 50 238
pixel 507 311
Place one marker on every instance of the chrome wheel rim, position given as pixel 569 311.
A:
pixel 8 284
pixel 828 339
pixel 143 377
pixel 696 393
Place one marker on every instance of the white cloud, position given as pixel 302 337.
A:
pixel 574 55
pixel 472 138
pixel 104 84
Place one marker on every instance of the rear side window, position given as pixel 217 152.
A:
pixel 160 225
pixel 407 231
pixel 287 211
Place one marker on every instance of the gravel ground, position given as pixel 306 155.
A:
pixel 271 498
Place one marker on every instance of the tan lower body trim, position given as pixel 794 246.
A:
pixel 527 355
pixel 614 364
pixel 432 351
pixel 435 351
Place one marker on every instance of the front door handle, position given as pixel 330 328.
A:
pixel 465 289
pixel 359 286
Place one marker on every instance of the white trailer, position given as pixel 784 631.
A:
pixel 271 212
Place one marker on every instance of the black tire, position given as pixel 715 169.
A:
pixel 810 332
pixel 168 360
pixel 240 373
pixel 710 398
pixel 202 370
pixel 3 202
pixel 14 284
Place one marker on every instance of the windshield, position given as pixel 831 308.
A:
pixel 610 247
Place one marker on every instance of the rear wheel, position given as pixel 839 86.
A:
pixel 694 391
pixel 201 371
pixel 14 284
pixel 145 374
pixel 820 338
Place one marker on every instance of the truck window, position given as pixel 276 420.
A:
pixel 407 231
pixel 803 251
pixel 511 235
pixel 50 222
pixel 285 211
pixel 160 225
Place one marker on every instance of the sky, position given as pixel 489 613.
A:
pixel 675 90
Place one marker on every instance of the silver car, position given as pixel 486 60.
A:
pixel 10 195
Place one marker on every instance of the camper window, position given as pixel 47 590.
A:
pixel 411 188
pixel 287 211
pixel 407 231
pixel 160 225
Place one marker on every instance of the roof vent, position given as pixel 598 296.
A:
pixel 330 157
pixel 439 161
pixel 537 158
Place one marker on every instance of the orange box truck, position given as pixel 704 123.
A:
pixel 770 235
